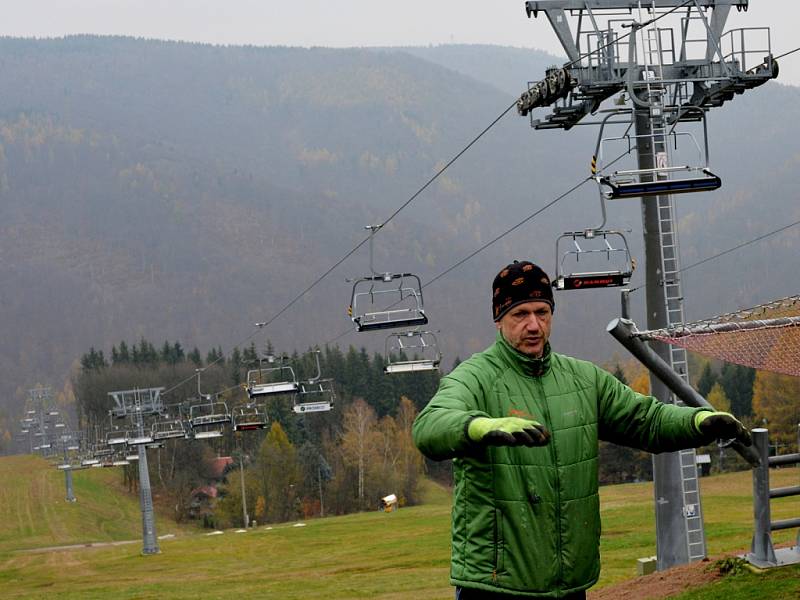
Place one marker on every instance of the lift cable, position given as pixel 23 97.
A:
pixel 729 250
pixel 440 172
pixel 418 192
pixel 352 251
pixel 787 53
pixel 486 245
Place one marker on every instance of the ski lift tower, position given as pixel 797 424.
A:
pixel 674 62
pixel 136 404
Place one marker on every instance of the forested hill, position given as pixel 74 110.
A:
pixel 184 191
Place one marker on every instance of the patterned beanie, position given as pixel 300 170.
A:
pixel 517 283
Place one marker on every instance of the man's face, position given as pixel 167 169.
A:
pixel 527 327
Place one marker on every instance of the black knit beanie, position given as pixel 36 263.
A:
pixel 517 283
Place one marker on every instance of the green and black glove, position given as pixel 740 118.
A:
pixel 721 426
pixel 507 431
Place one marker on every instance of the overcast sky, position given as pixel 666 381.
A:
pixel 340 23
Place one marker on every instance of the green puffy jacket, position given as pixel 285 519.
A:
pixel 526 521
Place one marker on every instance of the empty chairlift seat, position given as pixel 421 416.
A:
pixel 271 381
pixel 208 418
pixel 117 438
pixel 316 394
pixel 420 346
pixel 387 301
pixel 592 259
pixel 654 182
pixel 166 429
pixel 250 417
pixel 678 163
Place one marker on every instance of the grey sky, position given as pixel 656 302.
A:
pixel 340 23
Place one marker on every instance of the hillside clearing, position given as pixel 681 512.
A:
pixel 398 556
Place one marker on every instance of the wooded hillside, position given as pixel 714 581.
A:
pixel 184 191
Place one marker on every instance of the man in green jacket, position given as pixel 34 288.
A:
pixel 522 425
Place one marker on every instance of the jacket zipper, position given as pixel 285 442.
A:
pixel 554 456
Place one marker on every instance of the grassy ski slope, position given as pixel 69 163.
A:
pixel 398 556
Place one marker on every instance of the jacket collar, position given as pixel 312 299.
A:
pixel 524 364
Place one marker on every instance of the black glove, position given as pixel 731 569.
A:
pixel 721 426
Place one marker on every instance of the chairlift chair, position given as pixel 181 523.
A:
pixel 208 418
pixel 386 300
pixel 420 344
pixel 316 394
pixel 249 417
pixel 166 428
pixel 138 439
pixel 116 438
pixel 271 381
pixel 663 177
pixel 612 251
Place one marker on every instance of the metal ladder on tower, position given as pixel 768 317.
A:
pixel 671 285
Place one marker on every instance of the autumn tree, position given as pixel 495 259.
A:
pixel 360 440
pixel 718 398
pixel 776 402
pixel 278 473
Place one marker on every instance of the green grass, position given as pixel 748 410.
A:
pixel 32 497
pixel 776 584
pixel 398 556
pixel 629 520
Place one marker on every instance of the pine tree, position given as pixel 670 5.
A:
pixel 737 381
pixel 195 358
pixel 707 380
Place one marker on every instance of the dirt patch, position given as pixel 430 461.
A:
pixel 660 585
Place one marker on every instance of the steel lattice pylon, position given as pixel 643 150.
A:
pixel 666 78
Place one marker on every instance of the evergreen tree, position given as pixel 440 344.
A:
pixel 707 380
pixel 213 356
pixel 250 355
pixel 166 353
pixel 123 355
pixel 195 358
pixel 737 382
pixel 94 359
pixel 236 366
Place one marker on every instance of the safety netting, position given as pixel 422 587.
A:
pixel 765 337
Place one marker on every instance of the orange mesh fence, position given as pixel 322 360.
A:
pixel 766 337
